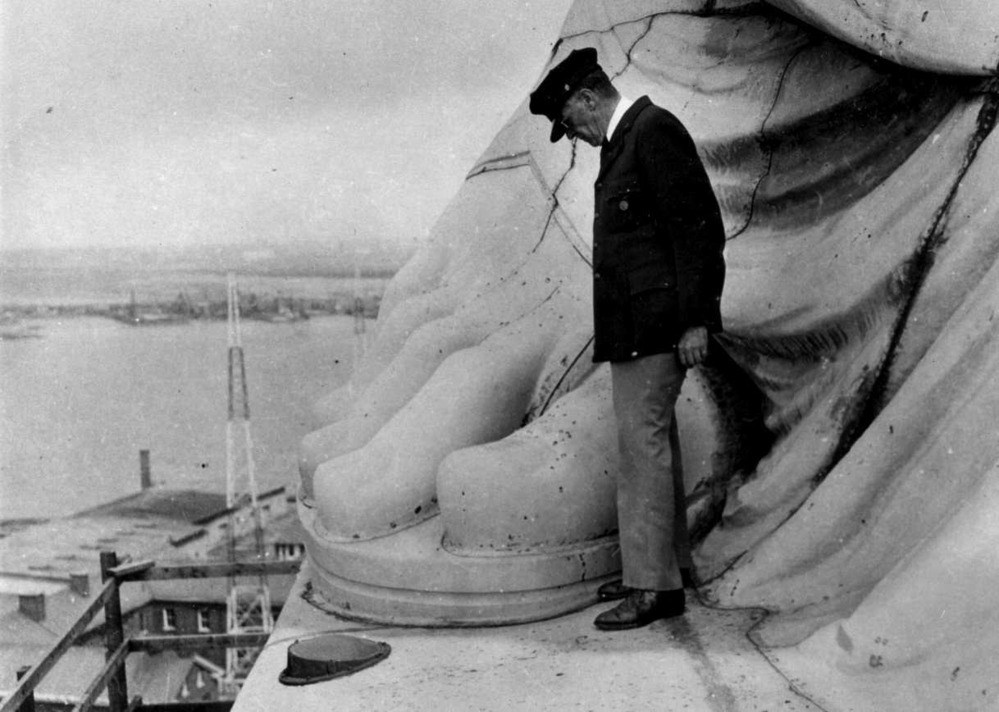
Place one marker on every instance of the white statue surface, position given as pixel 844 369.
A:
pixel 841 449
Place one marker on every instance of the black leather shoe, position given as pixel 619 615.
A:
pixel 640 608
pixel 615 590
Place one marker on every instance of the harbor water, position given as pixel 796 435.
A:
pixel 80 399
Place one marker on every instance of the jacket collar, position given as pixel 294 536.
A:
pixel 613 147
pixel 623 104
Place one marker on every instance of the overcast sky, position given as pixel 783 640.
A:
pixel 155 122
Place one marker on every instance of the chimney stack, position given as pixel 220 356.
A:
pixel 32 605
pixel 79 583
pixel 145 472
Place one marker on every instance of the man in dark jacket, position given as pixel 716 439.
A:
pixel 658 271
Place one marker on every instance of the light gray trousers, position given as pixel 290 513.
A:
pixel 651 509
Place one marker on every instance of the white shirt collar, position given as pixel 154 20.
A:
pixel 622 106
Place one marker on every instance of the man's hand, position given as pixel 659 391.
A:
pixel 693 346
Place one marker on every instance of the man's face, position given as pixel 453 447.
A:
pixel 580 120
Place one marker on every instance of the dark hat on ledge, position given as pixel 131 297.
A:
pixel 562 80
pixel 328 656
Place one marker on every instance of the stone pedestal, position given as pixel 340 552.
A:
pixel 408 578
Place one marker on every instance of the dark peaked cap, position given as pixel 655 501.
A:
pixel 562 80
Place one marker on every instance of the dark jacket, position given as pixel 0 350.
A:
pixel 657 238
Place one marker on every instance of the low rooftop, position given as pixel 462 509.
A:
pixel 39 558
pixel 137 524
pixel 189 506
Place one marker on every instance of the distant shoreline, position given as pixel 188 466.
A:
pixel 266 299
pixel 252 306
pixel 150 288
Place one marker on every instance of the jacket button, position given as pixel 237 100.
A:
pixel 623 205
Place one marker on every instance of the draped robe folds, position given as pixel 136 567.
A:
pixel 848 478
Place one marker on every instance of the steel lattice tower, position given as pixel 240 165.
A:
pixel 248 606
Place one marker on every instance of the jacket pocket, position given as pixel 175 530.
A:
pixel 653 317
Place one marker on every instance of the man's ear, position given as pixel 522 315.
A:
pixel 588 98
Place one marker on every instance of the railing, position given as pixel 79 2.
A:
pixel 119 646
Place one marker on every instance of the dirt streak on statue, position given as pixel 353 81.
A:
pixel 658 272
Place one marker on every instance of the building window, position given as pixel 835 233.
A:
pixel 169 619
pixel 203 626
pixel 199 681
pixel 289 552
